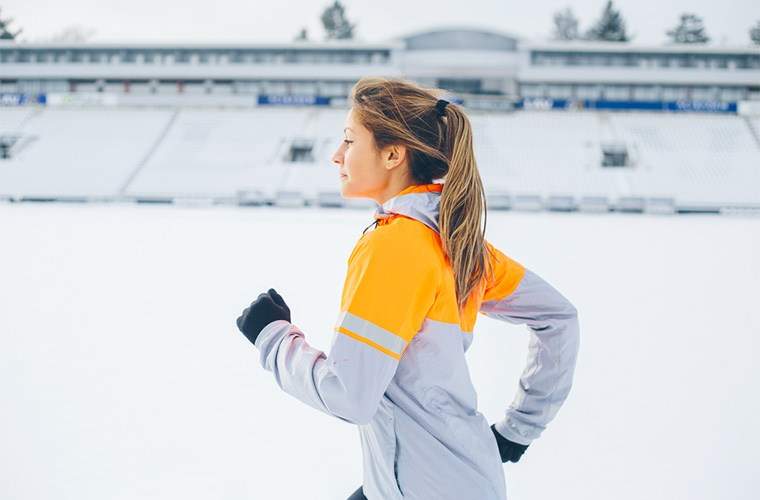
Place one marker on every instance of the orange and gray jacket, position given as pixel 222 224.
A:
pixel 397 369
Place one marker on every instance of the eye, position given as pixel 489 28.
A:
pixel 347 141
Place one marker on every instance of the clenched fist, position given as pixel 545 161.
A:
pixel 509 450
pixel 266 308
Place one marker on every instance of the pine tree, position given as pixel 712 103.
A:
pixel 689 30
pixel 610 27
pixel 336 23
pixel 754 33
pixel 565 25
pixel 5 33
pixel 302 35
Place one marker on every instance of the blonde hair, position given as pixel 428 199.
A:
pixel 402 112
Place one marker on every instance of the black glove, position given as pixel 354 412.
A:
pixel 266 308
pixel 509 450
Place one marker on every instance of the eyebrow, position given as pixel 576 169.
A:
pixel 348 128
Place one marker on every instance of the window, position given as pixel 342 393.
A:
pixel 617 92
pixel 300 151
pixel 11 144
pixel 674 93
pixel 614 155
pixel 732 93
pixel 531 90
pixel 6 143
pixel 588 91
pixel 704 93
pixel 467 86
pixel 645 93
pixel 557 91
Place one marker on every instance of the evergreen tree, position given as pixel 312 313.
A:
pixel 336 23
pixel 5 32
pixel 689 30
pixel 754 33
pixel 565 25
pixel 302 35
pixel 610 27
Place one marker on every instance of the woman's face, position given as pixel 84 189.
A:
pixel 362 171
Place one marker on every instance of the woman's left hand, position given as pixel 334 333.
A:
pixel 267 307
pixel 509 450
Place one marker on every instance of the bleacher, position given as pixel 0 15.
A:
pixel 539 155
pixel 281 155
pixel 708 161
pixel 208 153
pixel 76 154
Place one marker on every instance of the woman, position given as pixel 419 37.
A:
pixel 414 286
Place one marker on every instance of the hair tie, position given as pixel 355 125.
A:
pixel 440 105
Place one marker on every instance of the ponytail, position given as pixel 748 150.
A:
pixel 463 203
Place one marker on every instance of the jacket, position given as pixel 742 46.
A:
pixel 397 369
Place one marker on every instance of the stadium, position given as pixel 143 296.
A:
pixel 578 126
pixel 150 190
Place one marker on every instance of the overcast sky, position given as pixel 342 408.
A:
pixel 727 21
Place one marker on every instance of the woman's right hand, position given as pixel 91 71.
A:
pixel 268 306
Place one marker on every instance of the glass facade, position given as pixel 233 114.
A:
pixel 181 57
pixel 643 92
pixel 18 55
pixel 644 59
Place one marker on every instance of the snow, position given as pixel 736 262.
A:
pixel 123 375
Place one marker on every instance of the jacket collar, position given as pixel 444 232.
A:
pixel 418 201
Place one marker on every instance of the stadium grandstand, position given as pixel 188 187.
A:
pixel 564 126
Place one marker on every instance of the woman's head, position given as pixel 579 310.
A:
pixel 395 137
pixel 367 170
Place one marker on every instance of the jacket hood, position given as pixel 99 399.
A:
pixel 418 201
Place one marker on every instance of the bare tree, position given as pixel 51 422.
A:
pixel 565 25
pixel 754 33
pixel 690 29
pixel 336 23
pixel 74 33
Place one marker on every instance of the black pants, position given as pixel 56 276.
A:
pixel 358 494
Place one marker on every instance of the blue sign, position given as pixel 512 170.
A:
pixel 19 99
pixel 539 103
pixel 708 106
pixel 293 100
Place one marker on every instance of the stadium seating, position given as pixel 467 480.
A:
pixel 82 153
pixel 698 160
pixel 529 160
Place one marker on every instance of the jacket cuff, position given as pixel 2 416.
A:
pixel 271 330
pixel 508 430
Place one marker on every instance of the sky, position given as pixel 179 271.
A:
pixel 727 22
pixel 123 374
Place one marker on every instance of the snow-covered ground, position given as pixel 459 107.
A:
pixel 123 375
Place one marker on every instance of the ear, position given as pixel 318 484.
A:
pixel 394 155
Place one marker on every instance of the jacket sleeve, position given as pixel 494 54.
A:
pixel 518 295
pixel 387 293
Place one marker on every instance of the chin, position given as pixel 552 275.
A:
pixel 345 190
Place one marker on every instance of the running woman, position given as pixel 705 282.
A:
pixel 414 286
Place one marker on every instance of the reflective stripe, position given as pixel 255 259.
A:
pixel 371 334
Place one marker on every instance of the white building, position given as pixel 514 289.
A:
pixel 555 126
pixel 464 60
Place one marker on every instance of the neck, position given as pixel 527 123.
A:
pixel 393 188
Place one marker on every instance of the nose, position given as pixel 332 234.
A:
pixel 337 156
